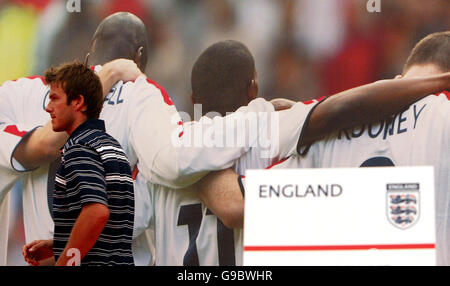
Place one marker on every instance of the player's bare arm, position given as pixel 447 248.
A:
pixel 39 148
pixel 369 103
pixel 43 145
pixel 85 232
pixel 220 191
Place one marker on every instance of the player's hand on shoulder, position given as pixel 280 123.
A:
pixel 124 69
pixel 282 103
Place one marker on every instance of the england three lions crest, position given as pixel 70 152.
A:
pixel 403 204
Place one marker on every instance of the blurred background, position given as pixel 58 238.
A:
pixel 303 49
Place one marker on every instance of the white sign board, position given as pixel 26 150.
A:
pixel 345 216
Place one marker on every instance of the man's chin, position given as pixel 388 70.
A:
pixel 57 128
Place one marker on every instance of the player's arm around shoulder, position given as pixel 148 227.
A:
pixel 221 193
pixel 370 103
pixel 40 147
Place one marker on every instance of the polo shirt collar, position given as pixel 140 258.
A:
pixel 89 125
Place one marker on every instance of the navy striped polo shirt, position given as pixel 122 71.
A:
pixel 95 169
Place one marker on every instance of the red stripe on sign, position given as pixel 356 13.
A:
pixel 12 129
pixel 338 247
pixel 163 92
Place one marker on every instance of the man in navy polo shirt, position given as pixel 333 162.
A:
pixel 93 202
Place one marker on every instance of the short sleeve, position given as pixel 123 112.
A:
pixel 85 174
pixel 10 136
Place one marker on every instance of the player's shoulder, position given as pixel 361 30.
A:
pixel 93 140
pixel 142 88
pixel 33 78
pixel 308 105
pixel 36 80
pixel 86 138
pixel 443 96
pixel 97 139
pixel 257 105
pixel 147 88
pixel 436 103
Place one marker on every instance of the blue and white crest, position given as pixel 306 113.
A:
pixel 403 204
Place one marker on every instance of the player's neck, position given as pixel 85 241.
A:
pixel 78 120
pixel 422 70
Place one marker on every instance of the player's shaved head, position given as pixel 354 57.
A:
pixel 120 35
pixel 433 49
pixel 222 76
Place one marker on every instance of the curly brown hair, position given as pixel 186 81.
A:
pixel 77 79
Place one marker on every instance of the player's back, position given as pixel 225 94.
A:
pixel 415 137
pixel 129 111
pixel 421 128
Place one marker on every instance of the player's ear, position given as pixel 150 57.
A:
pixel 79 104
pixel 252 90
pixel 138 58
pixel 398 76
